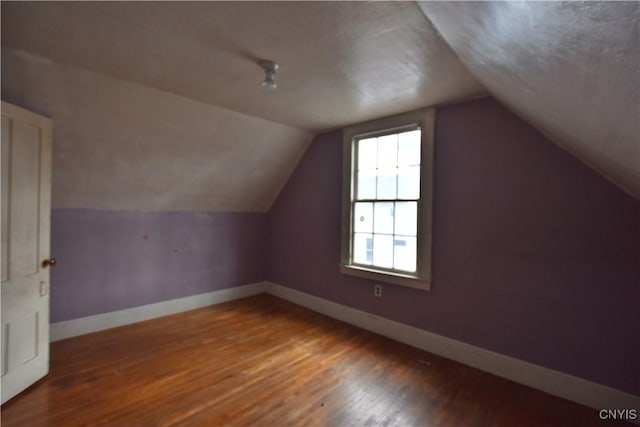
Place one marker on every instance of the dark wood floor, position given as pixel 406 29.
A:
pixel 262 361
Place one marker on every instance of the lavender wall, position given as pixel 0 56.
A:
pixel 111 260
pixel 534 256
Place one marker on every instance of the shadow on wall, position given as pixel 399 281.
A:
pixel 112 260
pixel 535 255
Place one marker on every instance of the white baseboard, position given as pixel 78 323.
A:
pixel 99 322
pixel 557 383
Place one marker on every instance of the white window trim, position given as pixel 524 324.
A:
pixel 425 119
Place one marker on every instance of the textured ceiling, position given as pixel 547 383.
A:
pixel 340 62
pixel 193 137
pixel 122 146
pixel 572 69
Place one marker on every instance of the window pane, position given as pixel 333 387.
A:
pixel 406 218
pixel 409 148
pixel 366 184
pixel 383 250
pixel 363 217
pixel 404 257
pixel 362 248
pixel 383 218
pixel 387 183
pixel 367 153
pixel 388 151
pixel 409 182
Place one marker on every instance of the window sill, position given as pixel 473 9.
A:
pixel 387 277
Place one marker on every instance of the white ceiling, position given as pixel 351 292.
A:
pixel 158 105
pixel 340 62
pixel 122 146
pixel 572 69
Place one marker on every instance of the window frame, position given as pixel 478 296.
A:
pixel 424 119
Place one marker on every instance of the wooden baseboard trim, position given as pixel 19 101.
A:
pixel 99 322
pixel 550 381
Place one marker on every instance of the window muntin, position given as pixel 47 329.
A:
pixel 388 171
pixel 384 206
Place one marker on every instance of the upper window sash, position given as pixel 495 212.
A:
pixel 424 120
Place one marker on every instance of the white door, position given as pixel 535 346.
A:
pixel 25 217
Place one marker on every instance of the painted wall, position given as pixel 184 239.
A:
pixel 149 188
pixel 111 260
pixel 568 68
pixel 534 256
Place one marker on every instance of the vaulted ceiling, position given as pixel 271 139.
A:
pixel 340 62
pixel 571 69
pixel 188 127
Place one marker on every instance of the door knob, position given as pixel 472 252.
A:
pixel 51 262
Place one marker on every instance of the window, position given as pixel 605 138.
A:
pixel 386 218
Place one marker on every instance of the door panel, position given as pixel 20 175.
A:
pixel 25 350
pixel 5 156
pixel 26 204
pixel 25 199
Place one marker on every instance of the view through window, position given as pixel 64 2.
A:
pixel 385 206
pixel 387 199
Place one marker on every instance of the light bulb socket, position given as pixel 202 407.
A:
pixel 269 82
pixel 270 69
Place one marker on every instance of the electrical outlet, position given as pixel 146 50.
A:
pixel 377 290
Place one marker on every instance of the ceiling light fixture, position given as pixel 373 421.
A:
pixel 270 69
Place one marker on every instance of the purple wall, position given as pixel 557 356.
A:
pixel 534 256
pixel 111 260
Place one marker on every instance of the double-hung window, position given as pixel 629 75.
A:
pixel 387 198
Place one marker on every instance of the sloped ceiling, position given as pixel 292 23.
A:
pixel 340 62
pixel 568 68
pixel 572 69
pixel 123 146
pixel 158 105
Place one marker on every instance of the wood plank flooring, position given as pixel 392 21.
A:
pixel 262 361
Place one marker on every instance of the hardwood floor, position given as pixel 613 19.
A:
pixel 262 361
